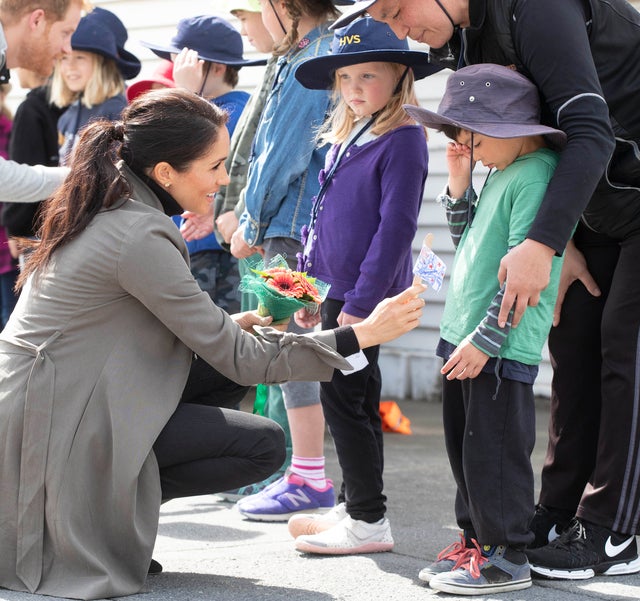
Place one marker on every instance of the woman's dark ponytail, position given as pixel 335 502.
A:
pixel 170 125
pixel 93 183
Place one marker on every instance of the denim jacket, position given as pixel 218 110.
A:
pixel 283 174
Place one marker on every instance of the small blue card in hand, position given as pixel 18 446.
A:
pixel 429 267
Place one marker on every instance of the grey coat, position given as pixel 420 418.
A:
pixel 92 365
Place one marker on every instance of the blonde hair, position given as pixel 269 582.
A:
pixel 105 82
pixel 342 120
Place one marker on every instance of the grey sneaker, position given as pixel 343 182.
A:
pixel 449 558
pixel 494 570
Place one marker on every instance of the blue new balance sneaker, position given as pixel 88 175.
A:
pixel 286 497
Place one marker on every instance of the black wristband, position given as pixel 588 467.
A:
pixel 346 341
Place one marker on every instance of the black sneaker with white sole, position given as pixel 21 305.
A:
pixel 585 550
pixel 547 524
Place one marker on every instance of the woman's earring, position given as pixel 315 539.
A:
pixel 167 185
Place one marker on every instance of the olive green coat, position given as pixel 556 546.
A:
pixel 92 366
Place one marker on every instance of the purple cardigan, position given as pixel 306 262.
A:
pixel 368 219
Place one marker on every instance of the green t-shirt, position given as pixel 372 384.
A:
pixel 506 209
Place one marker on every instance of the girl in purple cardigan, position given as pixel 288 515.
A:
pixel 359 240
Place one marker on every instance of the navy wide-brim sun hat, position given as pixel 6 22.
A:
pixel 101 32
pixel 214 39
pixel 491 100
pixel 363 41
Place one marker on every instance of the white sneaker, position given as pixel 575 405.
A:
pixel 348 537
pixel 314 523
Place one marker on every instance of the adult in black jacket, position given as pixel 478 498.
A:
pixel 584 57
pixel 34 141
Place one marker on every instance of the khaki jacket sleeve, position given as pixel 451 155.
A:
pixel 152 268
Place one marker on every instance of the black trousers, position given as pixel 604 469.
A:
pixel 611 431
pixel 351 406
pixel 576 357
pixel 205 447
pixel 489 434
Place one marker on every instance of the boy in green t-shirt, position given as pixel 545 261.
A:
pixel 492 114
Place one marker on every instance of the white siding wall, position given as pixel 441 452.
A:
pixel 410 369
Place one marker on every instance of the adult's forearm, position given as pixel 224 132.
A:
pixel 25 183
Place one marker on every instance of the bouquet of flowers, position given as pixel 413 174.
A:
pixel 280 290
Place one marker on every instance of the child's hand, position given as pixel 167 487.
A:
pixel 227 223
pixel 307 320
pixel 458 161
pixel 465 362
pixel 239 248
pixel 344 319
pixel 188 70
pixel 195 226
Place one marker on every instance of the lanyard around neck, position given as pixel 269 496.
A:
pixel 336 163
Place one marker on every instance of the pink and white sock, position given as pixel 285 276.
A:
pixel 311 469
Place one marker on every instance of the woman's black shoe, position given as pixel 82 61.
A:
pixel 155 567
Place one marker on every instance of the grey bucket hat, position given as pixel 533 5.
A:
pixel 491 100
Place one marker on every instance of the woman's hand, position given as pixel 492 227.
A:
pixel 188 70
pixel 196 226
pixel 307 320
pixel 465 362
pixel 391 318
pixel 247 319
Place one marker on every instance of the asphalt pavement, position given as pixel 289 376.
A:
pixel 209 552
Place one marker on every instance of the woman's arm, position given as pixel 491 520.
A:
pixel 151 268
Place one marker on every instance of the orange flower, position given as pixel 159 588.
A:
pixel 293 284
pixel 285 284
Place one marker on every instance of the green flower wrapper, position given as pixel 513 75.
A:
pixel 282 291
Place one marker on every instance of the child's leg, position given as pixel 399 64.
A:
pixel 352 410
pixel 454 421
pixel 496 456
pixel 304 488
pixel 490 457
pixel 351 404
